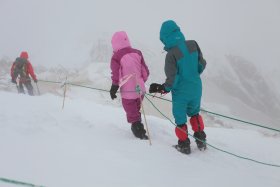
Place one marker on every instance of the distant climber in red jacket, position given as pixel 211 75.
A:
pixel 22 70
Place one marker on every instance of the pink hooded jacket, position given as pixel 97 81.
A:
pixel 128 67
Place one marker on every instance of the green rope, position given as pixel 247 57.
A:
pixel 224 116
pixel 239 120
pixel 221 150
pixel 50 81
pixel 18 182
pixel 203 110
pixel 245 158
pixel 227 152
pixel 103 90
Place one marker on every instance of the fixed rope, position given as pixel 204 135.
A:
pixel 57 82
pixel 18 182
pixel 224 116
pixel 214 147
pixel 161 98
pixel 221 150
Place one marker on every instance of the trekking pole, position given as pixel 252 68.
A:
pixel 146 124
pixel 38 89
pixel 64 94
pixel 138 89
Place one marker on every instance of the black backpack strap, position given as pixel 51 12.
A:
pixel 20 67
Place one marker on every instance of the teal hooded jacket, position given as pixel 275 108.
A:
pixel 183 65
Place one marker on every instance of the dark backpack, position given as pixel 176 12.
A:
pixel 20 68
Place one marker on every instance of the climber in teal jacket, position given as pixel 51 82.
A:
pixel 183 65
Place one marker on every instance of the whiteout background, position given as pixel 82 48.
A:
pixel 76 147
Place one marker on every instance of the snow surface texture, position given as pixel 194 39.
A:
pixel 235 88
pixel 89 144
pixel 78 33
pixel 81 145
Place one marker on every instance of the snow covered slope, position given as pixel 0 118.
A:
pixel 89 144
pixel 76 34
pixel 232 86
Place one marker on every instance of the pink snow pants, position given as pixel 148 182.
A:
pixel 132 108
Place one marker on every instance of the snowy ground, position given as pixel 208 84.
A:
pixel 89 144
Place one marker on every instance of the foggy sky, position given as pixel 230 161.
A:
pixel 63 31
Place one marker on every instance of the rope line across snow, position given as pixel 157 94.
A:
pixel 213 113
pixel 227 152
pixel 18 182
pixel 203 110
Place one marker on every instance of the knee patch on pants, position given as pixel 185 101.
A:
pixel 197 123
pixel 182 132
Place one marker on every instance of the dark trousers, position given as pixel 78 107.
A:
pixel 28 86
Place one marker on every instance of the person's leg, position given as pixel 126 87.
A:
pixel 199 133
pixel 20 88
pixel 181 130
pixel 132 108
pixel 179 110
pixel 29 87
pixel 197 123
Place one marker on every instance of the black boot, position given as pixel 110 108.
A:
pixel 184 146
pixel 200 136
pixel 138 130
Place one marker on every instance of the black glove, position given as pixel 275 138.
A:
pixel 35 80
pixel 14 81
pixel 113 91
pixel 157 88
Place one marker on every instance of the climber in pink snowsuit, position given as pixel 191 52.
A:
pixel 129 73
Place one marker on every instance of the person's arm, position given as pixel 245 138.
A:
pixel 12 71
pixel 170 69
pixel 115 71
pixel 201 61
pixel 144 69
pixel 31 71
